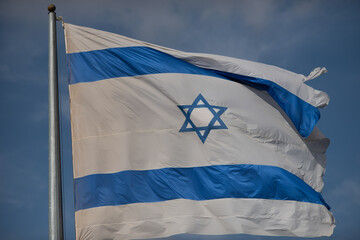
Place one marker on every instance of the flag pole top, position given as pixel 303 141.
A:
pixel 51 8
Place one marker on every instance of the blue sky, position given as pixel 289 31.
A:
pixel 295 35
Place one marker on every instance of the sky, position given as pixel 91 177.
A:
pixel 295 35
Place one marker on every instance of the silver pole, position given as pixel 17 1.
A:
pixel 55 194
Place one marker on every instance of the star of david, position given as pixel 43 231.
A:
pixel 201 117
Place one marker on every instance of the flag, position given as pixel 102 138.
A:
pixel 167 142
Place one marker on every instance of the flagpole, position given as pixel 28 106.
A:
pixel 55 194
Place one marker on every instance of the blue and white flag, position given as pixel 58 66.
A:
pixel 167 142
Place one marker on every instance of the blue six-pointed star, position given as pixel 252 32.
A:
pixel 202 108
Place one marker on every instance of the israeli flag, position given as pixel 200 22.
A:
pixel 167 142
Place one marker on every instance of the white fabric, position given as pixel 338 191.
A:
pixel 81 39
pixel 144 113
pixel 211 217
pixel 132 123
pixel 315 73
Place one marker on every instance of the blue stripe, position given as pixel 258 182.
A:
pixel 125 62
pixel 132 61
pixel 303 115
pixel 197 183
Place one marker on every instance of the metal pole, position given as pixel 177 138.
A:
pixel 55 194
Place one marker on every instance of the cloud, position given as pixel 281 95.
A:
pixel 291 34
pixel 259 14
pixel 344 198
pixel 4 68
pixel 21 182
pixel 347 196
pixel 39 113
